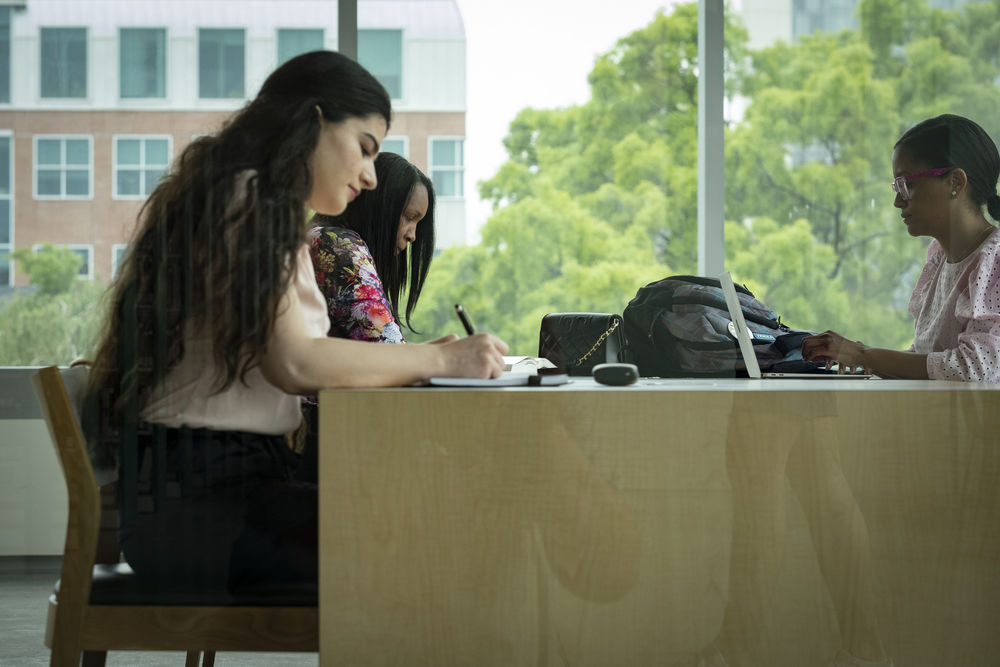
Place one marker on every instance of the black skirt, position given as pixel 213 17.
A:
pixel 216 510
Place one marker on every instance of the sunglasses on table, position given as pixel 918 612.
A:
pixel 901 185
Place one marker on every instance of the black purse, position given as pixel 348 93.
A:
pixel 579 341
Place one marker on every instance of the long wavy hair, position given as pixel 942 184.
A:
pixel 375 216
pixel 212 249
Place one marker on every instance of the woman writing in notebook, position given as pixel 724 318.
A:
pixel 217 326
pixel 946 170
pixel 365 256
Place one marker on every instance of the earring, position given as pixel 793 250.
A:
pixel 953 194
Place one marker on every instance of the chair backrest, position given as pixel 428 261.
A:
pixel 83 523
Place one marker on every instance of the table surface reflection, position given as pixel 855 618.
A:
pixel 591 525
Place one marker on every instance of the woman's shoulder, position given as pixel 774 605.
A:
pixel 336 235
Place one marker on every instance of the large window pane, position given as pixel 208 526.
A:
pixel 381 52
pixel 142 58
pixel 808 206
pixel 292 42
pixel 221 63
pixel 5 273
pixel 64 62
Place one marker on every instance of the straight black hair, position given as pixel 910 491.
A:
pixel 958 143
pixel 375 216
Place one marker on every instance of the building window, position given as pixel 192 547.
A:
pixel 221 62
pixel 381 52
pixel 293 42
pixel 142 59
pixel 62 167
pixel 86 253
pixel 64 62
pixel 4 60
pixel 6 208
pixel 447 167
pixel 139 164
pixel 397 145
pixel 117 257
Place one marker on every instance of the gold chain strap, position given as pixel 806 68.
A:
pixel 603 337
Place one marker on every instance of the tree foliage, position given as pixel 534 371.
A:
pixel 55 323
pixel 598 199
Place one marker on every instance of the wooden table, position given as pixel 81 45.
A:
pixel 588 525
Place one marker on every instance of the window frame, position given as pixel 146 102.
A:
pixel 115 261
pixel 86 64
pixel 402 138
pixel 402 60
pixel 198 71
pixel 285 29
pixel 164 73
pixel 63 166
pixel 142 166
pixel 7 54
pixel 431 167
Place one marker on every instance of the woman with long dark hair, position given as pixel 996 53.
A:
pixel 366 256
pixel 217 326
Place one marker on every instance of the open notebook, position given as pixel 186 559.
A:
pixel 746 347
pixel 507 379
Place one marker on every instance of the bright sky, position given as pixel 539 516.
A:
pixel 535 53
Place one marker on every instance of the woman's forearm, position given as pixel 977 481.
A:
pixel 894 363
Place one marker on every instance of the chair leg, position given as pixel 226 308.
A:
pixel 94 658
pixel 193 658
pixel 209 659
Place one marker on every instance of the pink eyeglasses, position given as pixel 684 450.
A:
pixel 901 185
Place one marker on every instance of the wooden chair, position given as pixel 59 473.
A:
pixel 98 608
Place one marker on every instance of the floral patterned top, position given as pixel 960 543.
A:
pixel 355 298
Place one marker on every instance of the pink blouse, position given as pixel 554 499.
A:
pixel 186 397
pixel 956 311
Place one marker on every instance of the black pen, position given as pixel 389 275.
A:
pixel 465 319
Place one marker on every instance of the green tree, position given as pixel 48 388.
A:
pixel 58 322
pixel 53 269
pixel 597 199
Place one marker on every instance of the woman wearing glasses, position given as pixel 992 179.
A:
pixel 946 171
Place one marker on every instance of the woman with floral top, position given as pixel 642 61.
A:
pixel 364 256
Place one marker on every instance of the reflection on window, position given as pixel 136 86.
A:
pixel 397 145
pixel 221 63
pixel 62 167
pixel 292 42
pixel 142 58
pixel 4 58
pixel 381 52
pixel 139 163
pixel 447 167
pixel 64 62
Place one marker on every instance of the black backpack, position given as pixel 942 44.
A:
pixel 679 327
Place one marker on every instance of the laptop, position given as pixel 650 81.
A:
pixel 742 333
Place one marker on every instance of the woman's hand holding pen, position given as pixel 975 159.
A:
pixel 477 356
pixel 832 348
